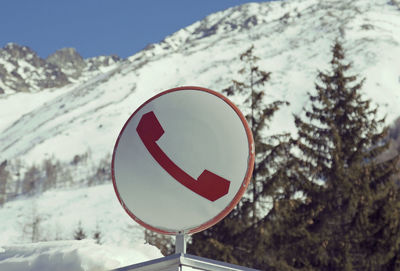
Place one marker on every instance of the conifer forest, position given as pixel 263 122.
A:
pixel 325 199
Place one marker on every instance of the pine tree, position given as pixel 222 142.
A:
pixel 258 114
pixel 4 178
pixel 32 181
pixel 51 173
pixel 231 240
pixel 33 226
pixel 348 215
pixel 79 233
pixel 97 235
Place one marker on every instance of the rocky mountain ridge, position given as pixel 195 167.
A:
pixel 22 70
pixel 292 39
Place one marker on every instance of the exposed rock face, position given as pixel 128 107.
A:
pixel 69 61
pixel 22 70
pixel 96 63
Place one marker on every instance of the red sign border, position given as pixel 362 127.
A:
pixel 238 195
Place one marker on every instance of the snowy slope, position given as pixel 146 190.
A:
pixel 59 214
pixel 292 38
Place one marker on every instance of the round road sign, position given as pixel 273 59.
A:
pixel 182 160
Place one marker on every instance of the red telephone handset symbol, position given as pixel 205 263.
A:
pixel 207 185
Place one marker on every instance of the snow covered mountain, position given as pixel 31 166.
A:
pixel 22 70
pixel 66 106
pixel 292 38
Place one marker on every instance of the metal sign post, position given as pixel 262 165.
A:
pixel 180 243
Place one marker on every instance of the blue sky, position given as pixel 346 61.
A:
pixel 99 27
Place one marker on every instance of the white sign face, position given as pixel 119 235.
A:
pixel 182 160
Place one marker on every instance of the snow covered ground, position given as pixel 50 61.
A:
pixel 74 255
pixel 59 214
